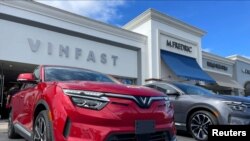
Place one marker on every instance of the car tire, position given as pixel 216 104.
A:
pixel 198 124
pixel 42 129
pixel 11 130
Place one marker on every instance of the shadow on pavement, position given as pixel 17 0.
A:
pixel 183 133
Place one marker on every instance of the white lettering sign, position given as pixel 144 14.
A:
pixel 64 51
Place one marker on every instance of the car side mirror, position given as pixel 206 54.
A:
pixel 26 77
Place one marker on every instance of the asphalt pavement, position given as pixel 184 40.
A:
pixel 4 125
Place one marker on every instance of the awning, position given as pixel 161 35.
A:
pixel 184 66
pixel 224 80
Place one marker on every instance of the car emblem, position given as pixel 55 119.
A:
pixel 143 100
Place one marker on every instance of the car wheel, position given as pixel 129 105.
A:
pixel 42 130
pixel 11 130
pixel 198 124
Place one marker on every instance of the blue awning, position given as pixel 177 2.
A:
pixel 184 66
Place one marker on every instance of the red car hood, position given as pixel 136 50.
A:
pixel 109 88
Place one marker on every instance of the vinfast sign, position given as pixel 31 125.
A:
pixel 64 51
pixel 178 46
pixel 37 46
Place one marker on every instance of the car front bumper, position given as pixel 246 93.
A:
pixel 114 122
pixel 239 118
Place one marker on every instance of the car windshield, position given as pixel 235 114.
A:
pixel 74 74
pixel 193 90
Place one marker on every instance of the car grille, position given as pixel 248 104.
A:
pixel 157 136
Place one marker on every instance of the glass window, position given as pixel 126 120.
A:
pixel 125 80
pixel 168 89
pixel 150 86
pixel 36 73
pixel 27 85
pixel 193 90
pixel 74 74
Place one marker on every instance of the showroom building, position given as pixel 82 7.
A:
pixel 152 46
pixel 34 33
pixel 222 71
pixel 174 48
pixel 242 72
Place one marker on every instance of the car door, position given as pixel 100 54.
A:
pixel 17 105
pixel 30 100
pixel 30 93
pixel 28 103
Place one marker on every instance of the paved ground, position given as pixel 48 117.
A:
pixel 4 126
pixel 3 132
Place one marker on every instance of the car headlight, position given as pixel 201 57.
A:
pixel 167 102
pixel 236 106
pixel 87 99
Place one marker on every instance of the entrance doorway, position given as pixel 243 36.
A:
pixel 9 72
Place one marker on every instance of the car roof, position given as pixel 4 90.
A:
pixel 172 83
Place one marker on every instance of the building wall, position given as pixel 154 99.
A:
pixel 223 70
pixel 38 46
pixel 38 34
pixel 35 33
pixel 159 28
pixel 242 72
pixel 217 66
pixel 145 29
pixel 163 32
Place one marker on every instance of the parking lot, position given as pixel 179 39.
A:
pixel 4 126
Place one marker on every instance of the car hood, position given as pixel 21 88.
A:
pixel 109 88
pixel 224 98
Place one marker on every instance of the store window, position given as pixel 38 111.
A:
pixel 247 89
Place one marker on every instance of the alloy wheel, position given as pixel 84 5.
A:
pixel 40 130
pixel 199 126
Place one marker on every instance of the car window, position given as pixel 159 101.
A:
pixel 74 74
pixel 36 73
pixel 193 90
pixel 151 86
pixel 163 88
pixel 160 89
pixel 27 85
pixel 168 89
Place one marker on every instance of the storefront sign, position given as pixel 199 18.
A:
pixel 63 51
pixel 246 71
pixel 179 46
pixel 217 66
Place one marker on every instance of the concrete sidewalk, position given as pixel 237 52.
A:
pixel 3 132
pixel 3 126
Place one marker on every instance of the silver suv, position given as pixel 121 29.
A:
pixel 196 108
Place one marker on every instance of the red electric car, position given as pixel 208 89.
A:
pixel 71 104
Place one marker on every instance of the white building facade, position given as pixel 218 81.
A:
pixel 222 71
pixel 170 39
pixel 153 46
pixel 33 34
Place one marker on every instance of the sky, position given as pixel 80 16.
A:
pixel 227 22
